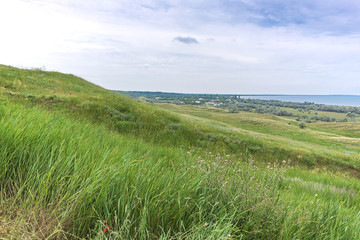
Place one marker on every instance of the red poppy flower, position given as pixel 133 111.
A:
pixel 106 227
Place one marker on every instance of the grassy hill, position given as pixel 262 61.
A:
pixel 74 156
pixel 320 144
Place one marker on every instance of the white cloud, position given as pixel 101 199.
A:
pixel 129 45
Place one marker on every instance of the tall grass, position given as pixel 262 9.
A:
pixel 82 175
pixel 99 157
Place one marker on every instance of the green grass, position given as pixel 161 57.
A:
pixel 74 155
pixel 314 187
pixel 311 113
pixel 82 175
pixel 312 145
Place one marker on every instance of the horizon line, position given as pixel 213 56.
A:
pixel 239 94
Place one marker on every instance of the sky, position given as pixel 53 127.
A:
pixel 190 46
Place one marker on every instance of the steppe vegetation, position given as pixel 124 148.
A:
pixel 74 156
pixel 306 111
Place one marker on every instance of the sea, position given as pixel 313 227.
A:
pixel 341 100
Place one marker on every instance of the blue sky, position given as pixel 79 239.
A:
pixel 213 46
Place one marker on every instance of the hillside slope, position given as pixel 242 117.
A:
pixel 65 169
pixel 81 100
pixel 316 145
pixel 77 98
pixel 74 156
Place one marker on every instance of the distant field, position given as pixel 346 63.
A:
pixel 311 113
pixel 301 111
pixel 317 138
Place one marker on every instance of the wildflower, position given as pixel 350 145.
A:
pixel 107 228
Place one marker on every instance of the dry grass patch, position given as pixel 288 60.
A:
pixel 19 221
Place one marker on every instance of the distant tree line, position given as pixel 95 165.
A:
pixel 306 106
pixel 234 104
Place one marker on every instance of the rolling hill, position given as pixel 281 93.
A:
pixel 74 156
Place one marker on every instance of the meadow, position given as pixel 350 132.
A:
pixel 74 156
